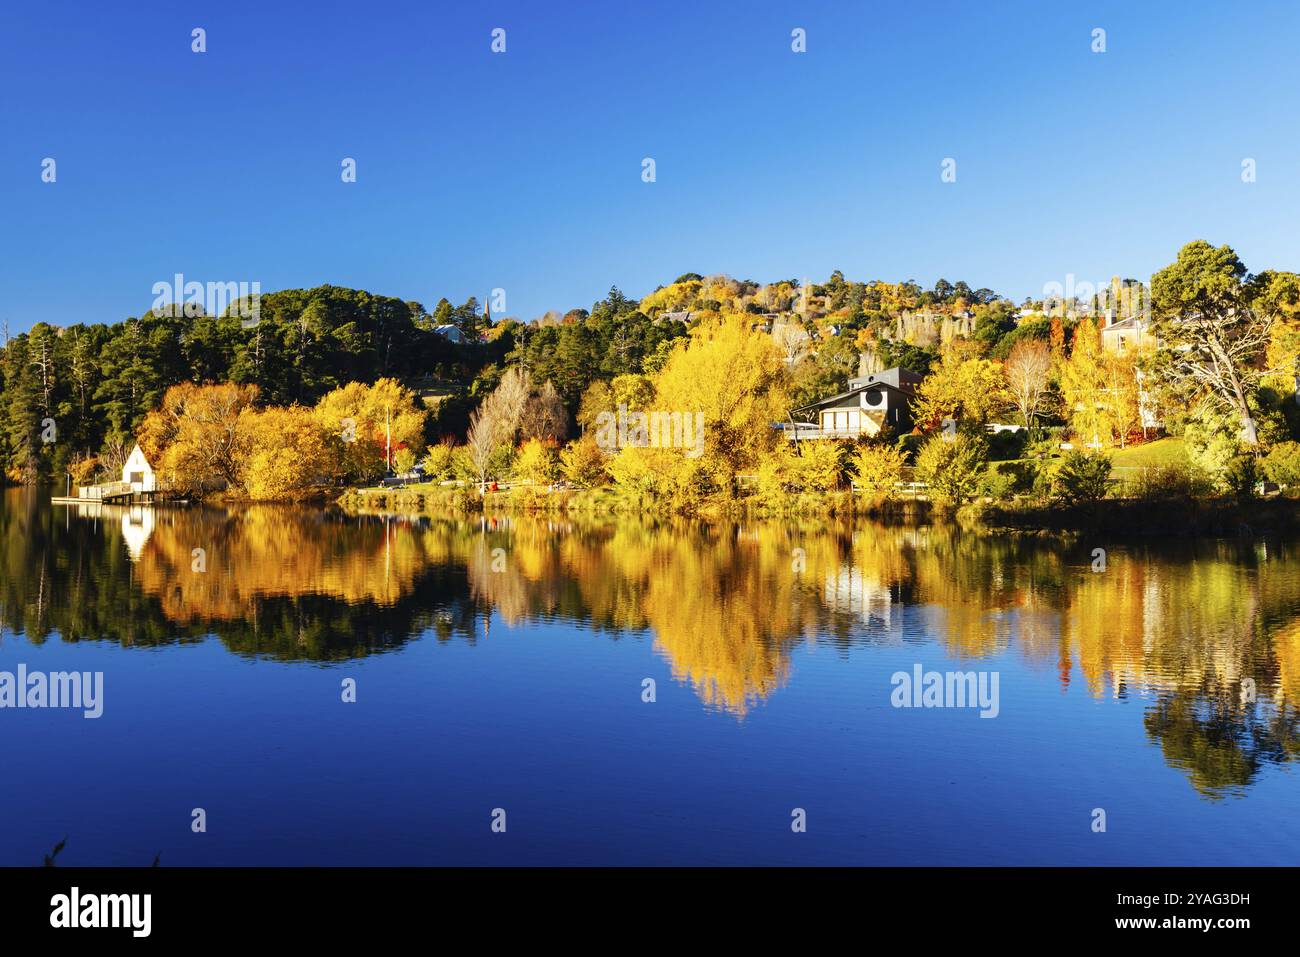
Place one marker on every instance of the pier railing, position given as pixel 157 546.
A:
pixel 109 490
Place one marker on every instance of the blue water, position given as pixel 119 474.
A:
pixel 543 717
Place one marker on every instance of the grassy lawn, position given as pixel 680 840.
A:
pixel 1160 452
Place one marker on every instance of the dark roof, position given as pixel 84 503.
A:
pixel 897 378
pixel 900 380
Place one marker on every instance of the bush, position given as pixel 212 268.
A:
pixel 816 466
pixel 1081 478
pixel 584 462
pixel 1009 478
pixel 998 484
pixel 1212 444
pixel 646 475
pixel 1007 444
pixel 953 467
pixel 1241 475
pixel 877 469
pixel 1282 464
pixel 535 462
pixel 440 462
pixel 820 466
pixel 1162 483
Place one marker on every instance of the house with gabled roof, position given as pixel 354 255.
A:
pixel 872 402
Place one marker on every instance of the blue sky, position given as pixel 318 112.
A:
pixel 523 170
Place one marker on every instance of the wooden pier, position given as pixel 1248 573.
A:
pixel 115 493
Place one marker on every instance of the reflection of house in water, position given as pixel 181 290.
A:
pixel 137 522
pixel 137 526
pixel 847 591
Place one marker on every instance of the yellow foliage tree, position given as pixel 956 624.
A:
pixel 535 462
pixel 1123 396
pixel 877 469
pixel 671 298
pixel 289 453
pixel 647 474
pixel 367 423
pixel 963 387
pixel 197 435
pixel 584 462
pixel 1099 390
pixel 736 378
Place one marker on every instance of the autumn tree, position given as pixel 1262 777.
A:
pixel 793 340
pixel 544 415
pixel 1029 370
pixel 584 462
pixel 1279 294
pixel 536 462
pixel 440 460
pixel 199 434
pixel 877 470
pixel 953 467
pixel 1123 396
pixel 368 423
pixel 964 387
pixel 1083 385
pixel 289 454
pixel 736 378
pixel 496 421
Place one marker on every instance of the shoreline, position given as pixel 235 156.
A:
pixel 1124 518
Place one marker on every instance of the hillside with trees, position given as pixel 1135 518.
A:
pixel 337 386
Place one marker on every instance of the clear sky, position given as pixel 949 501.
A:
pixel 522 170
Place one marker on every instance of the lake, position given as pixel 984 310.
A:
pixel 631 691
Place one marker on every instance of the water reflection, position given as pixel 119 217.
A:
pixel 725 605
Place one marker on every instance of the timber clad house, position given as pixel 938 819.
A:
pixel 873 402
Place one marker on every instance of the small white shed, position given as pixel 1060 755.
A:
pixel 138 473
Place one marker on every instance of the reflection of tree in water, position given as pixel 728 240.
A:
pixel 298 585
pixel 724 604
pixel 1222 743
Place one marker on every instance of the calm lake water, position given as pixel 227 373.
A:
pixel 500 663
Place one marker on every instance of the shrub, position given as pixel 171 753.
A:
pixel 1241 475
pixel 820 466
pixel 953 467
pixel 877 469
pixel 1007 444
pixel 440 461
pixel 1282 464
pixel 1212 444
pixel 535 462
pixel 816 466
pixel 584 462
pixel 999 483
pixel 1081 478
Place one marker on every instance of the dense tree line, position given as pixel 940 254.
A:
pixel 84 389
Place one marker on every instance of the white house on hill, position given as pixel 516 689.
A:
pixel 873 401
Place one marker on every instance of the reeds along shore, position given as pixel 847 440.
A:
pixel 1172 518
